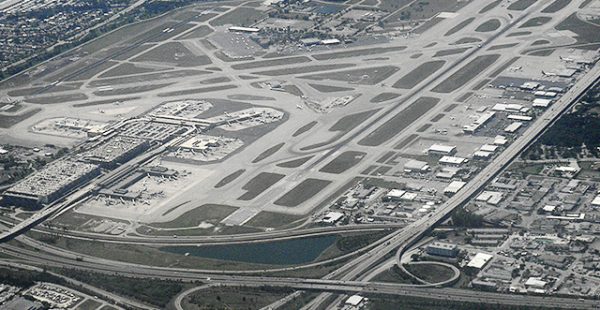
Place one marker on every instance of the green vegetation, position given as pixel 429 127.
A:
pixel 234 297
pixel 572 132
pixel 394 275
pixel 154 291
pixel 273 219
pixel 89 304
pixel 431 273
pixel 26 278
pixel 464 218
pixel 382 302
pixel 206 213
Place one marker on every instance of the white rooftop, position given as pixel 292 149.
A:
pixel 396 193
pixel 596 201
pixel 479 260
pixel 541 103
pixel 513 127
pixel 488 148
pixel 354 300
pixel 440 148
pixel 453 160
pixel 454 187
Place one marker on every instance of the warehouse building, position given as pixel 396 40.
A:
pixel 244 29
pixel 441 149
pixel 442 249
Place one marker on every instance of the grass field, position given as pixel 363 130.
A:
pixel 459 26
pixel 586 32
pixel 393 275
pixel 540 42
pixel 366 76
pixel 466 41
pixel 502 46
pixel 132 51
pixel 242 16
pixel 147 77
pixel 406 141
pixel 521 5
pixel 490 6
pixel 265 219
pixel 399 122
pixel 304 129
pixel 270 151
pixel 430 272
pixel 81 70
pixel 101 102
pixel 200 90
pixel 536 21
pixel 466 73
pixel 343 162
pixel 57 98
pixel 303 69
pixel 359 52
pixel 206 213
pixel 556 6
pixel 420 129
pixel 228 179
pixel 88 304
pixel 384 97
pixel 197 33
pixel 249 97
pixel 174 53
pixel 518 34
pixel 329 88
pixel 33 90
pixel 419 74
pixel 131 90
pixel 233 298
pixel 349 122
pixel 259 184
pixel 128 69
pixel 452 51
pixel 488 26
pixel 438 117
pixel 271 63
pixel 302 192
pixel 295 163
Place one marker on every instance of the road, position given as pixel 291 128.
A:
pixel 333 286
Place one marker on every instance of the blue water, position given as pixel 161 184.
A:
pixel 287 252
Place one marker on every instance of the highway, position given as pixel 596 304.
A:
pixel 333 286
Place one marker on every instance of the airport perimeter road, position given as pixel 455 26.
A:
pixel 292 233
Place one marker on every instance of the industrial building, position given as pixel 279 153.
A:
pixel 480 121
pixel 50 183
pixel 442 249
pixel 512 128
pixel 479 260
pixel 416 166
pixel 441 149
pixel 452 160
pixel 454 187
pixel 243 29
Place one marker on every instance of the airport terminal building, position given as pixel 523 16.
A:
pixel 50 183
